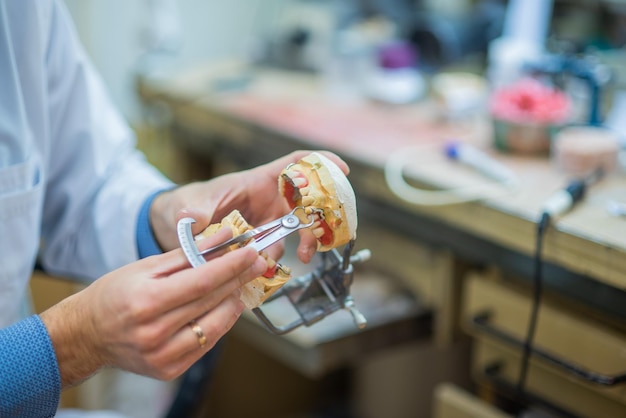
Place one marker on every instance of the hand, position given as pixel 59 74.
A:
pixel 253 192
pixel 137 317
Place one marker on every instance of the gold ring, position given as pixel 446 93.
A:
pixel 198 331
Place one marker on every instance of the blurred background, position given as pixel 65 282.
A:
pixel 213 86
pixel 165 36
pixel 176 34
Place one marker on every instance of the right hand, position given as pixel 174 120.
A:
pixel 253 192
pixel 137 318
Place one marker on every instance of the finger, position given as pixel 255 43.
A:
pixel 180 315
pixel 220 237
pixel 337 160
pixel 231 270
pixel 164 265
pixel 307 246
pixel 213 324
pixel 201 217
pixel 184 345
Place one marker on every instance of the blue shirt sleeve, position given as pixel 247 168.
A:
pixel 30 383
pixel 147 244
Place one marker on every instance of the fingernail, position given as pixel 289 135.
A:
pixel 308 254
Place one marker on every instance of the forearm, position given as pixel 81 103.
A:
pixel 75 342
pixel 29 378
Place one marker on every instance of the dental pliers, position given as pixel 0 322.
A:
pixel 258 238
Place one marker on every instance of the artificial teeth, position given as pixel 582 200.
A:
pixel 318 232
pixel 284 269
pixel 308 200
pixel 299 181
pixel 291 174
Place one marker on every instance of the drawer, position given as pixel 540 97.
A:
pixel 496 313
pixel 451 401
pixel 493 361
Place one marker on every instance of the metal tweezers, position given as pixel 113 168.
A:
pixel 265 235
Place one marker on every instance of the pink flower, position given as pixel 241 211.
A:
pixel 530 102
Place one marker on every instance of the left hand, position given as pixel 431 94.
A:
pixel 253 192
pixel 137 317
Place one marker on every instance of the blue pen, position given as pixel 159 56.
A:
pixel 473 157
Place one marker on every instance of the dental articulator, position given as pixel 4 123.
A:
pixel 315 295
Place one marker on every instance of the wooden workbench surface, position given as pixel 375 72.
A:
pixel 247 105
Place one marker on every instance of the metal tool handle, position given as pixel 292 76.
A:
pixel 252 233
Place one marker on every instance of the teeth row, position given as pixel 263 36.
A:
pixel 240 224
pixel 299 181
pixel 318 232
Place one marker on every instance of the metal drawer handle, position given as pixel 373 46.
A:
pixel 521 399
pixel 481 322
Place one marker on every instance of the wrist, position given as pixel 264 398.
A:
pixel 147 241
pixel 161 221
pixel 75 342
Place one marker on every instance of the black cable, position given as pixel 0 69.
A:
pixel 542 225
pixel 558 204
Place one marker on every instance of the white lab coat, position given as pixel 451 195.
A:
pixel 71 182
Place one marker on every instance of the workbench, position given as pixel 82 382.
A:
pixel 238 116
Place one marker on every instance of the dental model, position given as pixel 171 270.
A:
pixel 258 290
pixel 317 184
pixel 322 189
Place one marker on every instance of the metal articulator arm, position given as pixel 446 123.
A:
pixel 321 292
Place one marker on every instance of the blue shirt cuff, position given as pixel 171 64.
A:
pixel 147 244
pixel 30 383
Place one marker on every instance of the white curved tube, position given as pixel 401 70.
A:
pixel 394 177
